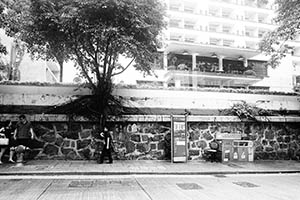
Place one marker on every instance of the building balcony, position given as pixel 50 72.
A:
pixel 196 79
pixel 203 71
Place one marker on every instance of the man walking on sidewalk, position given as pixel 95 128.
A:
pixel 106 151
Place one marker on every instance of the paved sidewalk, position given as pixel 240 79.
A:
pixel 127 167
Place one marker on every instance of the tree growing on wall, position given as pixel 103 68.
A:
pixel 275 43
pixel 95 34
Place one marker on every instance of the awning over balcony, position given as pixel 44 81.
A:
pixel 196 78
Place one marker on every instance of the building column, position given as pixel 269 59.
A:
pixel 220 63
pixel 165 60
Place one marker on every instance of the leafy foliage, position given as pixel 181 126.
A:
pixel 246 111
pixel 275 43
pixel 43 37
pixel 2 47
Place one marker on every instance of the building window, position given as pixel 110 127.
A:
pixel 228 43
pixel 188 25
pixel 188 9
pixel 175 6
pixel 174 23
pixel 175 37
pixel 214 41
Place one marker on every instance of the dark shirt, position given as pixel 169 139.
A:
pixel 23 130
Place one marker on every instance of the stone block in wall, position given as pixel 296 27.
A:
pixel 193 145
pixel 264 142
pixel 145 138
pixel 283 146
pixel 67 143
pixel 66 151
pixel 51 150
pixel 81 144
pixel 272 143
pixel 269 135
pixel 287 139
pixel 153 146
pixel 161 145
pixel 71 155
pixel 130 147
pixel 259 148
pixel 49 137
pixel 202 126
pixel 194 152
pixel 59 140
pixel 85 133
pixel 157 138
pixel 76 127
pixel 85 154
pixel 97 145
pixel 213 128
pixel 202 144
pixel 60 127
pixel 41 130
pixel 142 147
pixel 282 155
pixel 135 138
pixel 195 135
pixel 207 135
pixel 70 134
pixel 280 139
pixel 89 126
pixel 269 149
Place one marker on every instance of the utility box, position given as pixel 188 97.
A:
pixel 243 150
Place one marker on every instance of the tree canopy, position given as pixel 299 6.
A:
pixel 93 33
pixel 275 43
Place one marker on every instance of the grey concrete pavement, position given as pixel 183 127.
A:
pixel 127 167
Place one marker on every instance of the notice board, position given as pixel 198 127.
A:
pixel 179 138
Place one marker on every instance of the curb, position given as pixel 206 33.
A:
pixel 142 173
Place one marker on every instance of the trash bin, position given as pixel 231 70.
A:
pixel 226 149
pixel 243 150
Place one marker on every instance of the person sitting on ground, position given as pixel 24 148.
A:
pixel 7 132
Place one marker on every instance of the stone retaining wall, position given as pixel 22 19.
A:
pixel 151 140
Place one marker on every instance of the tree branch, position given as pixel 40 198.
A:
pixel 117 73
pixel 81 64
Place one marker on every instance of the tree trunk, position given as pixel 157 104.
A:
pixel 61 67
pixel 102 95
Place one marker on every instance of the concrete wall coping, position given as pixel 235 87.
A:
pixel 147 118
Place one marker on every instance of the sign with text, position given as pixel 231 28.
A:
pixel 179 139
pixel 228 136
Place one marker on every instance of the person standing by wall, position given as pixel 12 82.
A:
pixel 106 151
pixel 7 132
pixel 24 132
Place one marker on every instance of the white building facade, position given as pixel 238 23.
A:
pixel 214 43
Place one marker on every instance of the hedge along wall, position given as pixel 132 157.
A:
pixel 151 139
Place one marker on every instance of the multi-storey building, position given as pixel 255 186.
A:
pixel 214 43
